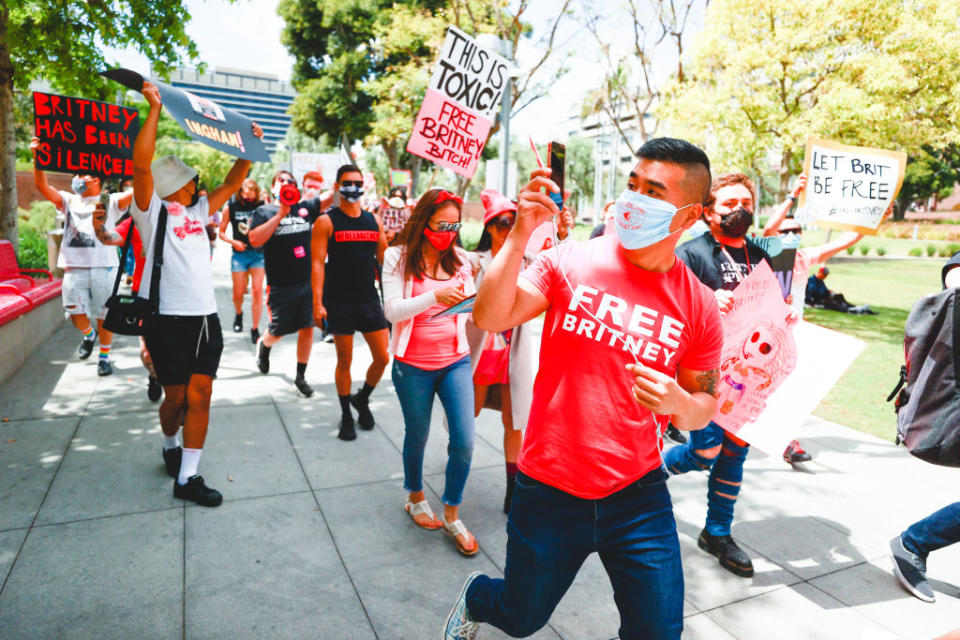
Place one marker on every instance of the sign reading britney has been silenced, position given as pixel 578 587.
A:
pixel 461 101
pixel 83 136
pixel 849 187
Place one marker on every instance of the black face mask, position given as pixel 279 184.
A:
pixel 736 223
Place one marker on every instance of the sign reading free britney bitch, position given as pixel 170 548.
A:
pixel 460 104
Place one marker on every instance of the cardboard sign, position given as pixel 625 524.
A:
pixel 206 121
pixel 326 163
pixel 400 177
pixel 822 358
pixel 849 187
pixel 82 136
pixel 758 349
pixel 462 99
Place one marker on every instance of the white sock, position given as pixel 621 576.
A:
pixel 188 465
pixel 170 442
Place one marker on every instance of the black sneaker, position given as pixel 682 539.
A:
pixel 254 335
pixel 364 418
pixel 347 432
pixel 508 497
pixel 103 367
pixel 675 435
pixel 303 387
pixel 171 460
pixel 263 357
pixel 911 570
pixel 238 323
pixel 85 349
pixel 196 490
pixel 731 557
pixel 154 390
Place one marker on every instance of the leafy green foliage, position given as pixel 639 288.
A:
pixel 32 229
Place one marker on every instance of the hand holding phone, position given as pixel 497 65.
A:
pixel 558 161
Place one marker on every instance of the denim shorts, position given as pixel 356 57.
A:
pixel 243 261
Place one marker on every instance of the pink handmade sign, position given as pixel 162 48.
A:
pixel 461 102
pixel 759 351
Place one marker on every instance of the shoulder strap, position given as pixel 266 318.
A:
pixel 123 258
pixel 956 337
pixel 159 235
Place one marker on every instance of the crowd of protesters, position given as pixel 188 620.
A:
pixel 583 426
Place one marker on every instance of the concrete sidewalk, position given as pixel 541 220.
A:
pixel 312 541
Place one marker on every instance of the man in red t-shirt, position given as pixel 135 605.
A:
pixel 631 341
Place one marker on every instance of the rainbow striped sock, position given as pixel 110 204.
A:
pixel 89 334
pixel 104 352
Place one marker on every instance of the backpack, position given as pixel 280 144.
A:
pixel 928 394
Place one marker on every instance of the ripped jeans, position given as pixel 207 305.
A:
pixel 726 472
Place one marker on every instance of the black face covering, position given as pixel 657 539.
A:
pixel 736 223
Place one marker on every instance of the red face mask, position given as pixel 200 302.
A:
pixel 440 240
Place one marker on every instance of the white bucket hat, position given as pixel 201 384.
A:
pixel 170 174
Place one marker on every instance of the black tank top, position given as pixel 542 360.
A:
pixel 352 257
pixel 240 214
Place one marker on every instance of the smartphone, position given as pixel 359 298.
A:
pixel 558 161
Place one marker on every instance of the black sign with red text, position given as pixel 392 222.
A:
pixel 83 136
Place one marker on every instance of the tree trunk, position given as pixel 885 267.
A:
pixel 415 176
pixel 785 163
pixel 391 150
pixel 8 155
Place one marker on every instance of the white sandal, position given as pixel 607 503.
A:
pixel 456 528
pixel 422 507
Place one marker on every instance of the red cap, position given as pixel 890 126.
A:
pixel 495 203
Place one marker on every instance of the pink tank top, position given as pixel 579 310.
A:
pixel 432 345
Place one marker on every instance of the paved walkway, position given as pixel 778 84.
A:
pixel 311 541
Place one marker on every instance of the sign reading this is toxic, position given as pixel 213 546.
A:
pixel 83 136
pixel 460 104
pixel 849 187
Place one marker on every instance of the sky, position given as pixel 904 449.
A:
pixel 246 35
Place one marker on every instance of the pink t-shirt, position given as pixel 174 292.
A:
pixel 586 434
pixel 433 345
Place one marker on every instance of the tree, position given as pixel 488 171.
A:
pixel 932 173
pixel 630 88
pixel 767 74
pixel 62 42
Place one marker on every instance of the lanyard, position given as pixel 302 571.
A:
pixel 736 266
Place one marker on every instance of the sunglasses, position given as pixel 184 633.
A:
pixel 286 180
pixel 352 183
pixel 445 195
pixel 448 226
pixel 504 222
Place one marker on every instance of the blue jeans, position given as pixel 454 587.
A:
pixel 416 388
pixel 726 472
pixel 938 530
pixel 551 533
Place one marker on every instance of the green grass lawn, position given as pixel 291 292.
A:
pixel 890 288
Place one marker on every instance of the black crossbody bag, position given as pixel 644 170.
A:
pixel 131 315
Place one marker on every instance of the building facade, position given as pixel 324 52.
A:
pixel 261 97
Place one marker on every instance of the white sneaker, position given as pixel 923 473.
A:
pixel 460 626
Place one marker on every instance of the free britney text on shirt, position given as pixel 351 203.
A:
pixel 586 434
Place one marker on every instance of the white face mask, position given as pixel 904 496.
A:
pixel 642 220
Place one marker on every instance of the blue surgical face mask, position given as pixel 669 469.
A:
pixel 642 220
pixel 79 185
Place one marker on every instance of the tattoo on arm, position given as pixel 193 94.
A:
pixel 707 382
pixel 105 236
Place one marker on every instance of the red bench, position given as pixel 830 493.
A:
pixel 19 291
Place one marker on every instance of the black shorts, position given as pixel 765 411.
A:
pixel 346 316
pixel 291 308
pixel 181 346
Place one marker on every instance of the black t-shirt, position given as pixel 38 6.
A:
pixel 706 258
pixel 351 269
pixel 240 214
pixel 287 253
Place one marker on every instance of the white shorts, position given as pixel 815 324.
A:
pixel 86 291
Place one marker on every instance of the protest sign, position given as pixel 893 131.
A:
pixel 849 187
pixel 83 136
pixel 203 119
pixel 326 163
pixel 822 358
pixel 400 177
pixel 782 264
pixel 461 101
pixel 758 349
